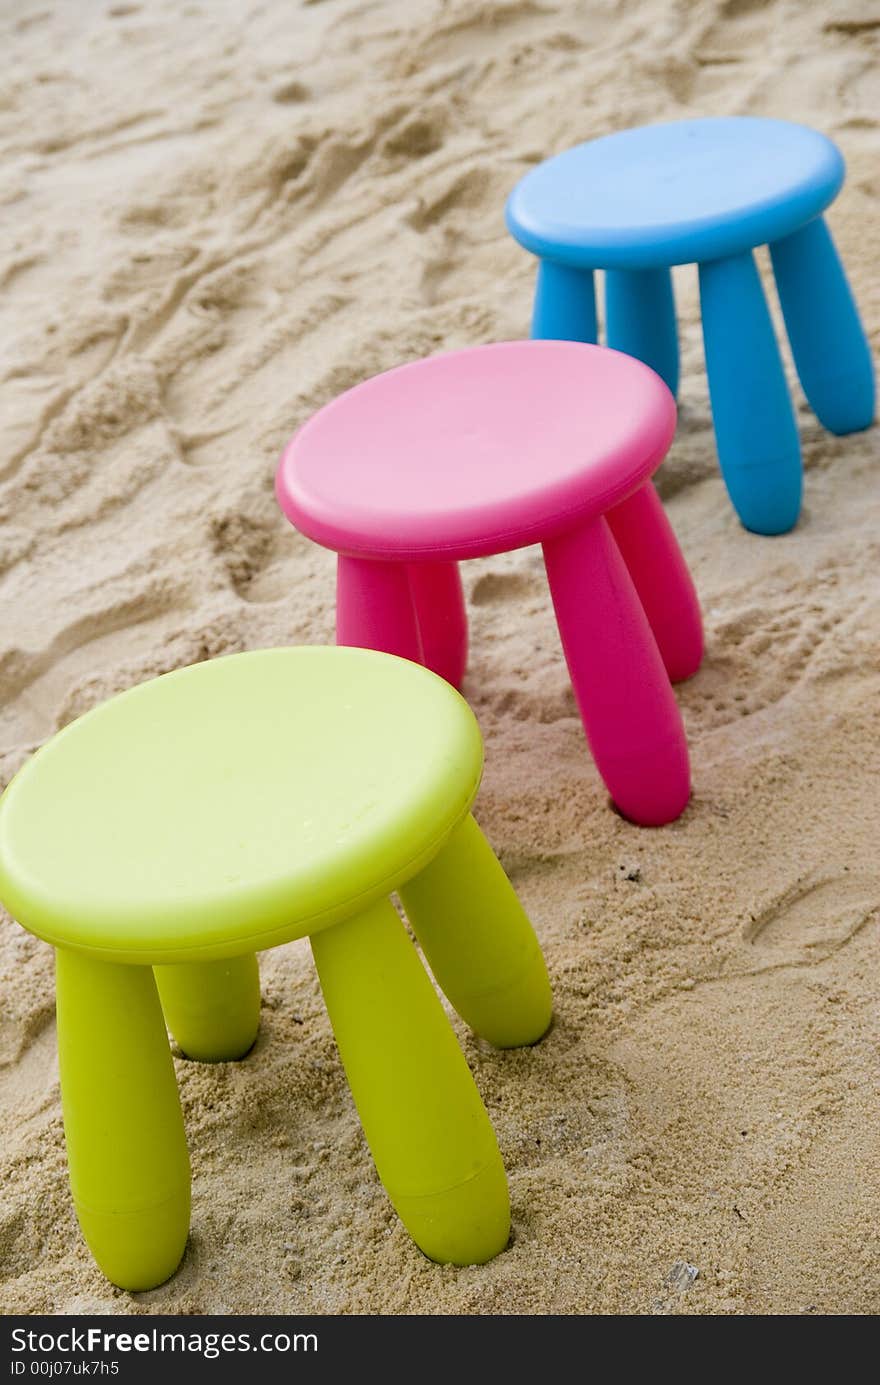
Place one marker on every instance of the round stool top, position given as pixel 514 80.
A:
pixel 236 804
pixel 477 451
pixel 679 193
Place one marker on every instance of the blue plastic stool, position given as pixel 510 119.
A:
pixel 709 191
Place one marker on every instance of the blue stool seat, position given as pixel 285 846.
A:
pixel 709 191
pixel 672 194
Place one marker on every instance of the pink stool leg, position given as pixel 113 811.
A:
pixel 662 579
pixel 626 702
pixel 442 620
pixel 374 607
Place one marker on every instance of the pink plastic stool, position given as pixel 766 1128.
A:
pixel 490 449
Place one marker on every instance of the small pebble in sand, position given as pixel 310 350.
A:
pixel 681 1276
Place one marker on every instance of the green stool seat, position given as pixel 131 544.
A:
pixel 162 839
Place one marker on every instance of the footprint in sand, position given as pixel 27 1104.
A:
pixel 494 587
pixel 812 920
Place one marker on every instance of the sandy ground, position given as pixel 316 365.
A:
pixel 213 218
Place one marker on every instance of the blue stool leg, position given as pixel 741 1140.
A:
pixel 565 304
pixel 758 446
pixel 640 319
pixel 828 341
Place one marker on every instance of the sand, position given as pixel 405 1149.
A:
pixel 213 218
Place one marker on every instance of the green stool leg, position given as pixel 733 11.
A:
pixel 212 1008
pixel 428 1131
pixel 479 942
pixel 126 1147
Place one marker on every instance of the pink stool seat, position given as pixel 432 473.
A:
pixel 476 452
pixel 485 450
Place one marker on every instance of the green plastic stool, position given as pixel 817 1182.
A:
pixel 165 837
